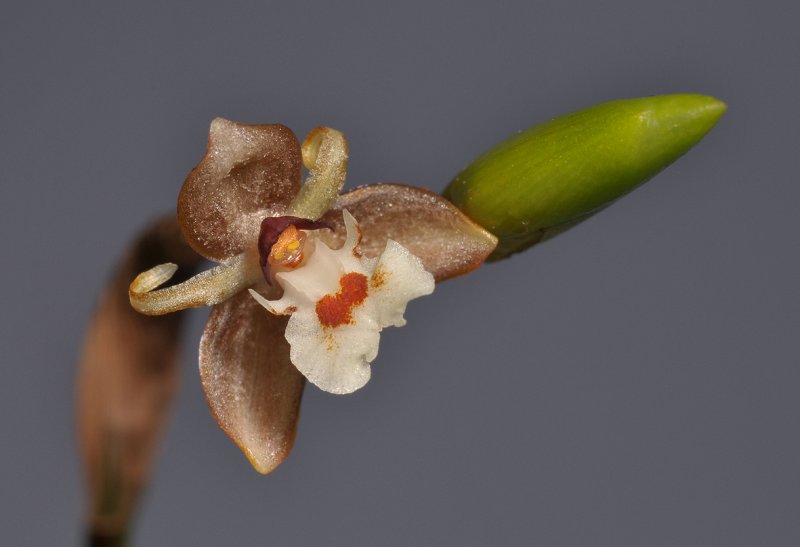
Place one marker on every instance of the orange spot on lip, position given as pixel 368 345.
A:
pixel 378 278
pixel 334 310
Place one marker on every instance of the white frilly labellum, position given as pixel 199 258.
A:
pixel 339 302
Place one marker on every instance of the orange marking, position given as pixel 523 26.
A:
pixel 378 278
pixel 334 310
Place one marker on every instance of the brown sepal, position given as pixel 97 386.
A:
pixel 252 388
pixel 447 241
pixel 248 172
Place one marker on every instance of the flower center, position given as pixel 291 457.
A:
pixel 334 310
pixel 288 250
pixel 281 243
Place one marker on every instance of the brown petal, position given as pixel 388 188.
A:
pixel 248 172
pixel 251 386
pixel 127 377
pixel 428 225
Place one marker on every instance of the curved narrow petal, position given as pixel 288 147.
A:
pixel 325 155
pixel 448 243
pixel 205 289
pixel 251 386
pixel 248 172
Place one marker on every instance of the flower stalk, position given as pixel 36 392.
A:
pixel 127 378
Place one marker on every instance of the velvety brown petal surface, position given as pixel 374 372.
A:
pixel 247 173
pixel 252 388
pixel 127 377
pixel 422 221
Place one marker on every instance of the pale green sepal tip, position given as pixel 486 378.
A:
pixel 550 177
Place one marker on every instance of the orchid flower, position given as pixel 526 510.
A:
pixel 306 279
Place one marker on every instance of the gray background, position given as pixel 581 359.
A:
pixel 633 382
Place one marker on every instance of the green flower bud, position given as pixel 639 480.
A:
pixel 554 175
